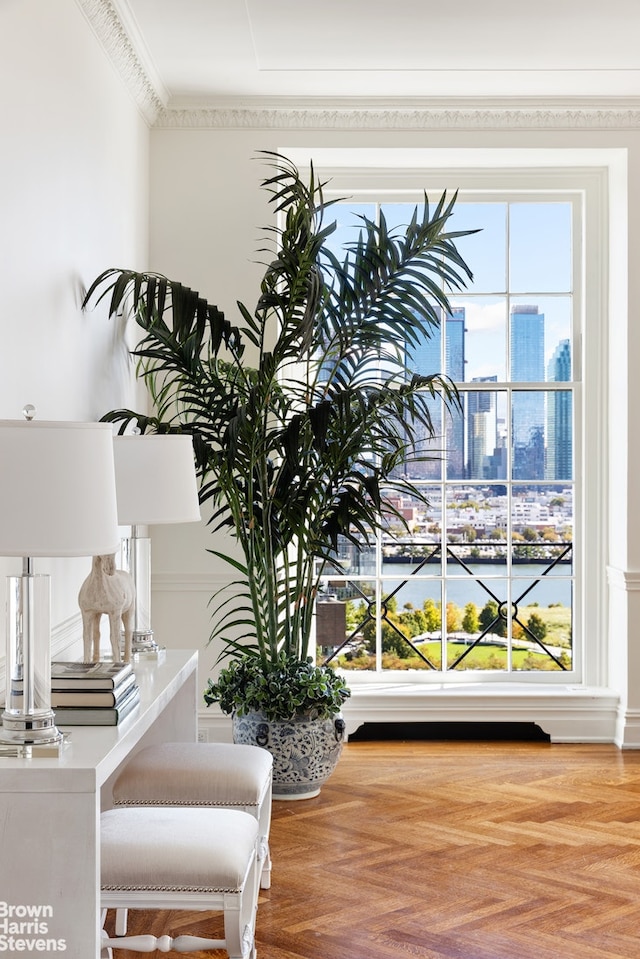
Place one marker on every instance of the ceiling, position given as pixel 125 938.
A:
pixel 207 52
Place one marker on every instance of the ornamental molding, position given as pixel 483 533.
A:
pixel 119 37
pixel 105 21
pixel 505 116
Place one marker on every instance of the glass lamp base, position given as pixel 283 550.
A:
pixel 144 646
pixel 25 736
pixel 28 725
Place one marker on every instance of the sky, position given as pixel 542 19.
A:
pixel 537 269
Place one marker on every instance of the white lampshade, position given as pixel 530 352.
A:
pixel 57 498
pixel 155 479
pixel 57 490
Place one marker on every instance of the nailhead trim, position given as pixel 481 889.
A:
pixel 181 802
pixel 205 889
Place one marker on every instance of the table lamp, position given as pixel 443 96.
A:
pixel 155 484
pixel 57 498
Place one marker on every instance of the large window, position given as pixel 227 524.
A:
pixel 487 580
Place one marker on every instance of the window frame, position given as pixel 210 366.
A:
pixel 550 174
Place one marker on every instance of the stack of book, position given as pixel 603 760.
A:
pixel 92 694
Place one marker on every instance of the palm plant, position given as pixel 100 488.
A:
pixel 302 416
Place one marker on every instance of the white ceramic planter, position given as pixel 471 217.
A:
pixel 305 751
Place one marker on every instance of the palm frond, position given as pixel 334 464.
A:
pixel 303 448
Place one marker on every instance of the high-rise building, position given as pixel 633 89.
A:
pixel 426 358
pixel 559 459
pixel 482 432
pixel 528 407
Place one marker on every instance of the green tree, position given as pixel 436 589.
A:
pixel 415 621
pixel 537 626
pixel 470 621
pixel 489 617
pixel 432 615
pixel 454 620
pixel 394 643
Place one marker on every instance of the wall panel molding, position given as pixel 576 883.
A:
pixel 623 579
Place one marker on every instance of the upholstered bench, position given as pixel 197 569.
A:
pixel 217 775
pixel 175 858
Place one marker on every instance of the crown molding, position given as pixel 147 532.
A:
pixel 117 33
pixel 436 115
pixel 122 46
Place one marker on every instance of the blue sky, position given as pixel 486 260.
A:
pixel 539 269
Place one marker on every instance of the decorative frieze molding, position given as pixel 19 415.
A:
pixel 108 27
pixel 506 116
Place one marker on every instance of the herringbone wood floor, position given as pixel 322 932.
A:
pixel 443 850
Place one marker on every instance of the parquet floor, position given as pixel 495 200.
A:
pixel 449 850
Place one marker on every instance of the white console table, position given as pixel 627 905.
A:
pixel 50 815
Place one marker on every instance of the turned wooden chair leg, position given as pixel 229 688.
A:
pixel 181 858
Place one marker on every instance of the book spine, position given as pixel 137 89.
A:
pixel 99 716
pixel 92 697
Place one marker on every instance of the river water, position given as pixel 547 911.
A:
pixel 527 579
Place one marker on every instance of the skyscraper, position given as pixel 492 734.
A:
pixel 482 432
pixel 426 358
pixel 528 416
pixel 559 460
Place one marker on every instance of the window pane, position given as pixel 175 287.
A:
pixel 527 436
pixel 557 337
pixel 540 335
pixel 426 460
pixel 559 451
pixel 485 435
pixel 542 529
pixel 485 252
pixel 477 634
pixel 477 525
pixel 357 617
pixel 485 337
pixel 540 241
pixel 454 439
pixel 527 343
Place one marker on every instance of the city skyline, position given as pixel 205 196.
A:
pixel 541 421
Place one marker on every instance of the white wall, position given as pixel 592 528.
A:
pixel 73 201
pixel 76 165
pixel 206 210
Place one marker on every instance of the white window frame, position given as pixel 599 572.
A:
pixel 401 175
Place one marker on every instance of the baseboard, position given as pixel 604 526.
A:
pixel 214 726
pixel 566 714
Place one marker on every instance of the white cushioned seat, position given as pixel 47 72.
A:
pixel 165 849
pixel 218 775
pixel 195 774
pixel 170 857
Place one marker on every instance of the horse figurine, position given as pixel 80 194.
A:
pixel 110 591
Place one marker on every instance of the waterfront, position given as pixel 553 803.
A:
pixel 553 588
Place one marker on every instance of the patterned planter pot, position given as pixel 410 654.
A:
pixel 305 751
